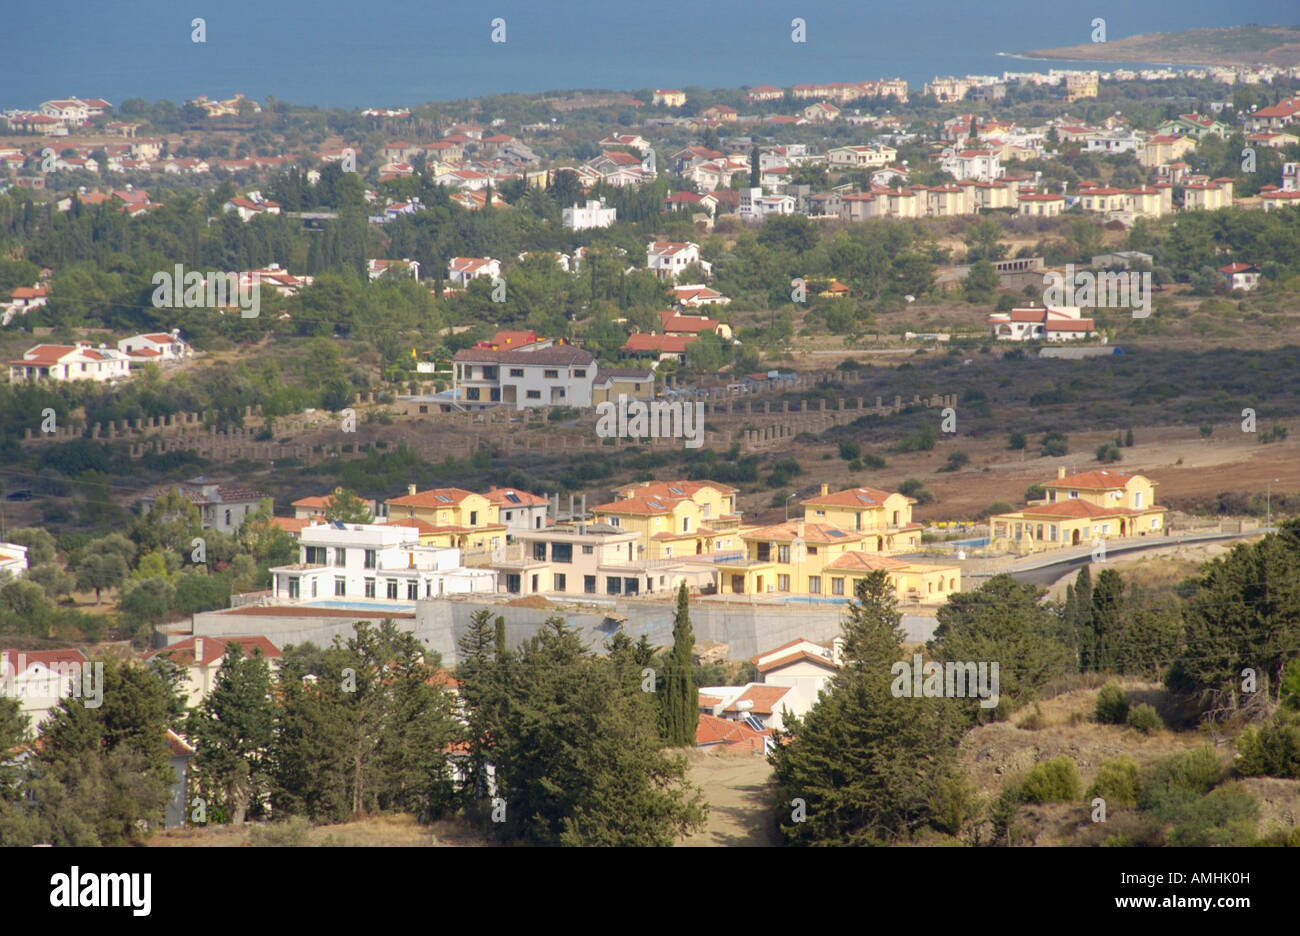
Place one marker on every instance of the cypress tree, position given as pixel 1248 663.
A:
pixel 1107 620
pixel 681 697
pixel 1083 620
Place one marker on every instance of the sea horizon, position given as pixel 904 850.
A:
pixel 390 55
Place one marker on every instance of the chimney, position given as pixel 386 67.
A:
pixel 826 489
pixel 799 528
pixel 410 489
pixel 198 651
pixel 1060 473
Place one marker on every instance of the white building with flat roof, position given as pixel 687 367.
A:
pixel 373 562
pixel 593 215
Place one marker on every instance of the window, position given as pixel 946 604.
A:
pixel 1137 500
pixel 783 583
pixel 340 586
pixel 534 394
pixel 317 555
pixel 632 586
pixel 392 588
pixel 227 518
pixel 512 584
pixel 814 584
pixel 550 374
pixel 370 588
pixel 764 552
pixel 539 552
pixel 1038 532
pixel 1051 533
pixel 613 585
pixel 1074 495
pixel 668 552
pixel 1105 529
pixel 783 554
pixel 471 393
pixel 516 372
pixel 340 557
pixel 313 587
pixel 589 584
pixel 1155 522
pixel 812 550
pixel 370 559
pixel 294 586
pixel 686 524
pixel 580 372
pixel 588 550
pixel 473 518
pixel 837 586
pixel 412 590
pixel 535 580
pixel 559 582
pixel 561 552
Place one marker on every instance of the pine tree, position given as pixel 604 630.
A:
pixel 232 731
pixel 864 766
pixel 1108 621
pixel 1083 619
pixel 681 697
pixel 480 647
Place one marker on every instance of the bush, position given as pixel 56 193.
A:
pixel 956 461
pixel 1226 816
pixel 1053 781
pixel 1207 430
pixel 1145 719
pixel 872 461
pixel 1108 452
pixel 1112 705
pixel 999 507
pixel 1116 782
pixel 850 451
pixel 1035 492
pixel 291 833
pixel 1272 749
pixel 913 487
pixel 1177 780
pixel 1016 441
pixel 1055 444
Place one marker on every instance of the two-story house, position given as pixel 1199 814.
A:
pixel 1079 509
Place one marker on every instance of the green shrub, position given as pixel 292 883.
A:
pixel 291 833
pixel 1017 441
pixel 1145 719
pixel 1272 749
pixel 1175 781
pixel 1226 816
pixel 850 451
pixel 954 802
pixel 1116 782
pixel 1053 781
pixel 1108 452
pixel 874 462
pixel 1055 444
pixel 1112 705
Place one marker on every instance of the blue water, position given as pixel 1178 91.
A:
pixel 970 543
pixel 384 53
pixel 390 606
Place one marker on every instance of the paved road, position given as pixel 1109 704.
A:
pixel 1044 570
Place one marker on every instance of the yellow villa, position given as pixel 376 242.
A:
pixel 886 517
pixel 450 517
pixel 817 560
pixel 675 519
pixel 1079 509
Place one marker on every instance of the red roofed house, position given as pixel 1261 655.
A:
pixel 519 510
pixel 40 678
pixel 460 270
pixel 220 508
pixel 201 658
pixel 804 667
pixel 675 323
pixel 657 347
pixel 692 297
pixel 1243 276
pixel 666 259
pixel 81 361
pixel 160 347
pixel 1053 323
pixel 714 732
pixel 1080 509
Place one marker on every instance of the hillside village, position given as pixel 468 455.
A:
pixel 292 395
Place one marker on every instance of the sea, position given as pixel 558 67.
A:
pixel 385 53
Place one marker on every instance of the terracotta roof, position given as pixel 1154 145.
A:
pixel 214 648
pixel 763 697
pixel 1103 479
pixel 513 497
pixel 812 533
pixel 713 730
pixel 800 656
pixel 853 497
pixel 1078 509
pixel 867 562
pixel 664 344
pixel 292 525
pixel 434 497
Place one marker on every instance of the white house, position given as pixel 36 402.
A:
pixel 1053 323
pixel 13 559
pixel 754 204
pixel 1243 276
pixel 980 165
pixel 373 562
pixel 200 658
pixel 553 376
pixel 802 666
pixel 70 362
pixel 519 510
pixel 377 268
pixel 159 347
pixel 860 157
pixel 21 300
pixel 594 215
pixel 1291 177
pixel 668 258
pixel 461 270
pixel 38 679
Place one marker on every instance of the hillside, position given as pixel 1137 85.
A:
pixel 1233 45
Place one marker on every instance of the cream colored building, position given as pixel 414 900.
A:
pixel 1079 509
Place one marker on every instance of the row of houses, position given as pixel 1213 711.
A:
pixel 101 364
